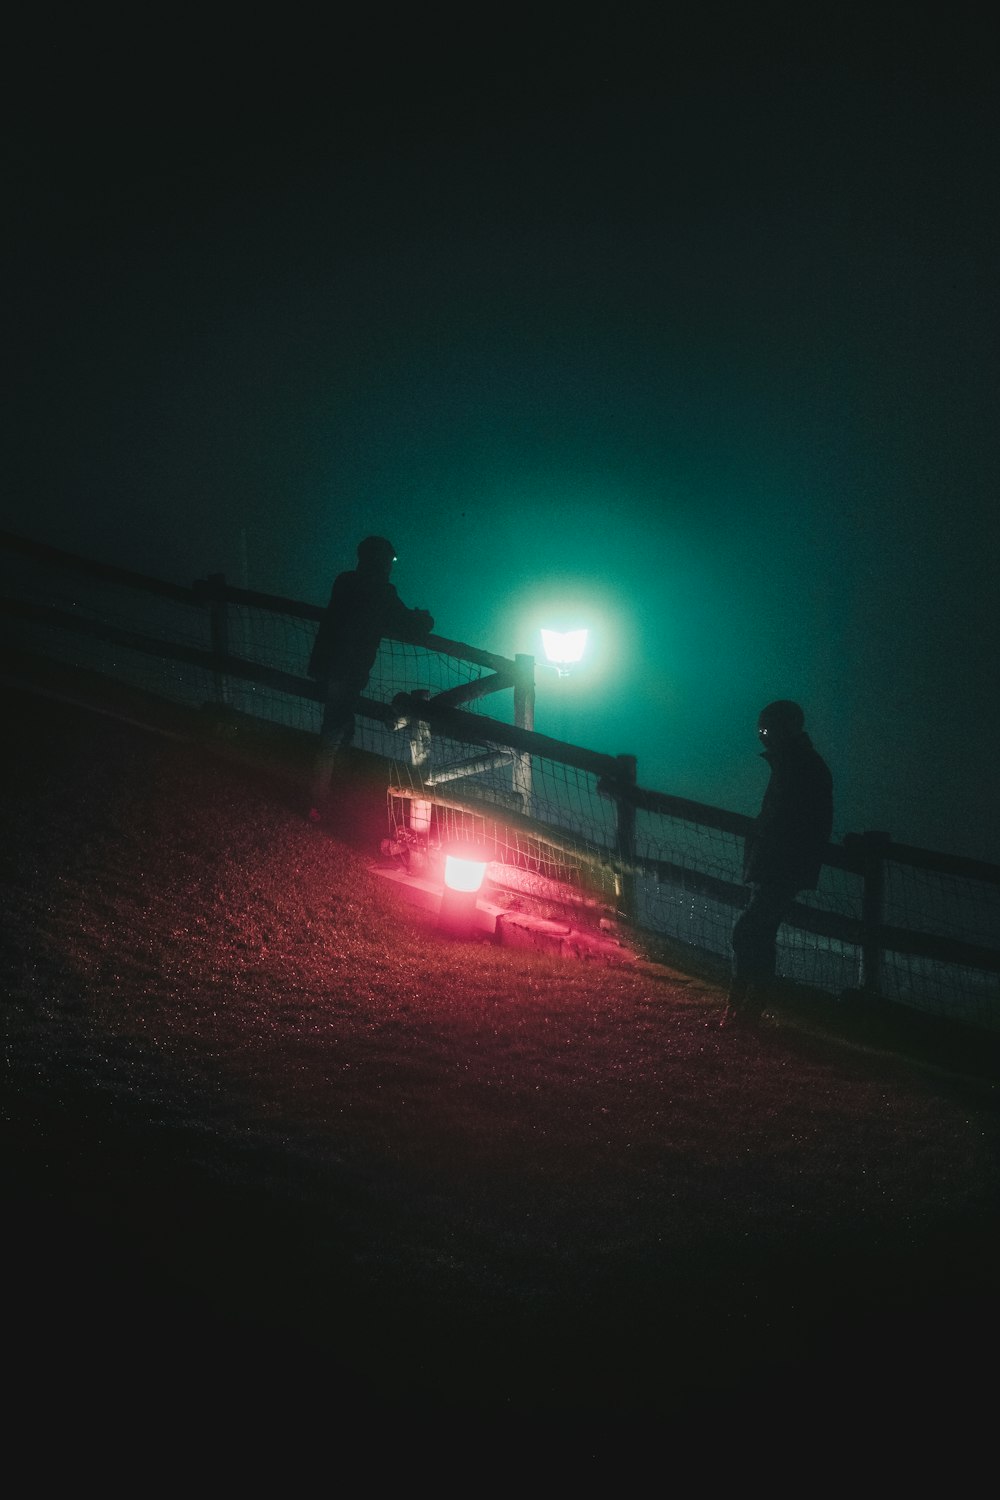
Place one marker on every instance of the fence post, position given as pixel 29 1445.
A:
pixel 524 718
pixel 421 742
pixel 420 737
pixel 625 809
pixel 873 848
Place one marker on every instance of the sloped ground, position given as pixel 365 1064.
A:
pixel 268 1135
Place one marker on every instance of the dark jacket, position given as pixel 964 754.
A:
pixel 788 839
pixel 363 607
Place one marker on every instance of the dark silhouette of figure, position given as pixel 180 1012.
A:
pixel 783 853
pixel 364 606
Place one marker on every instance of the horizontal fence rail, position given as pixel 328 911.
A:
pixel 889 921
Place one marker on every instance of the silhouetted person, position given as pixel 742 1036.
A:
pixel 783 852
pixel 363 607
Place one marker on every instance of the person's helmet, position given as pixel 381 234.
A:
pixel 376 549
pixel 783 714
pixel 780 723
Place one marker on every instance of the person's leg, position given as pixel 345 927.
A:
pixel 754 944
pixel 335 735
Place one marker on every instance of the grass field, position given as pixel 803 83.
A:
pixel 267 1132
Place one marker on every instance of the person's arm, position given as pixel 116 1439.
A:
pixel 401 620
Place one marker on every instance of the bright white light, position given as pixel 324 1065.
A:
pixel 463 874
pixel 563 647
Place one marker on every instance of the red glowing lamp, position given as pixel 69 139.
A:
pixel 464 872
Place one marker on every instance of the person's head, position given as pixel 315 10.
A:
pixel 779 723
pixel 376 554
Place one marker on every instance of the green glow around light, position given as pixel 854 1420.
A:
pixel 565 606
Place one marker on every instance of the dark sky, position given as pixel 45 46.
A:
pixel 683 332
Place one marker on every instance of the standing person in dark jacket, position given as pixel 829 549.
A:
pixel 783 852
pixel 363 607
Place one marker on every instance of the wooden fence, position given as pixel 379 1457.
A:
pixel 866 855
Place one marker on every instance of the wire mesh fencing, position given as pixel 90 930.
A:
pixel 283 638
pixel 547 819
pixel 108 621
pixel 900 924
pixel 914 933
pixel 942 955
pixel 681 879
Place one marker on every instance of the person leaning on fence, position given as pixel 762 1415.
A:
pixel 364 606
pixel 783 853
